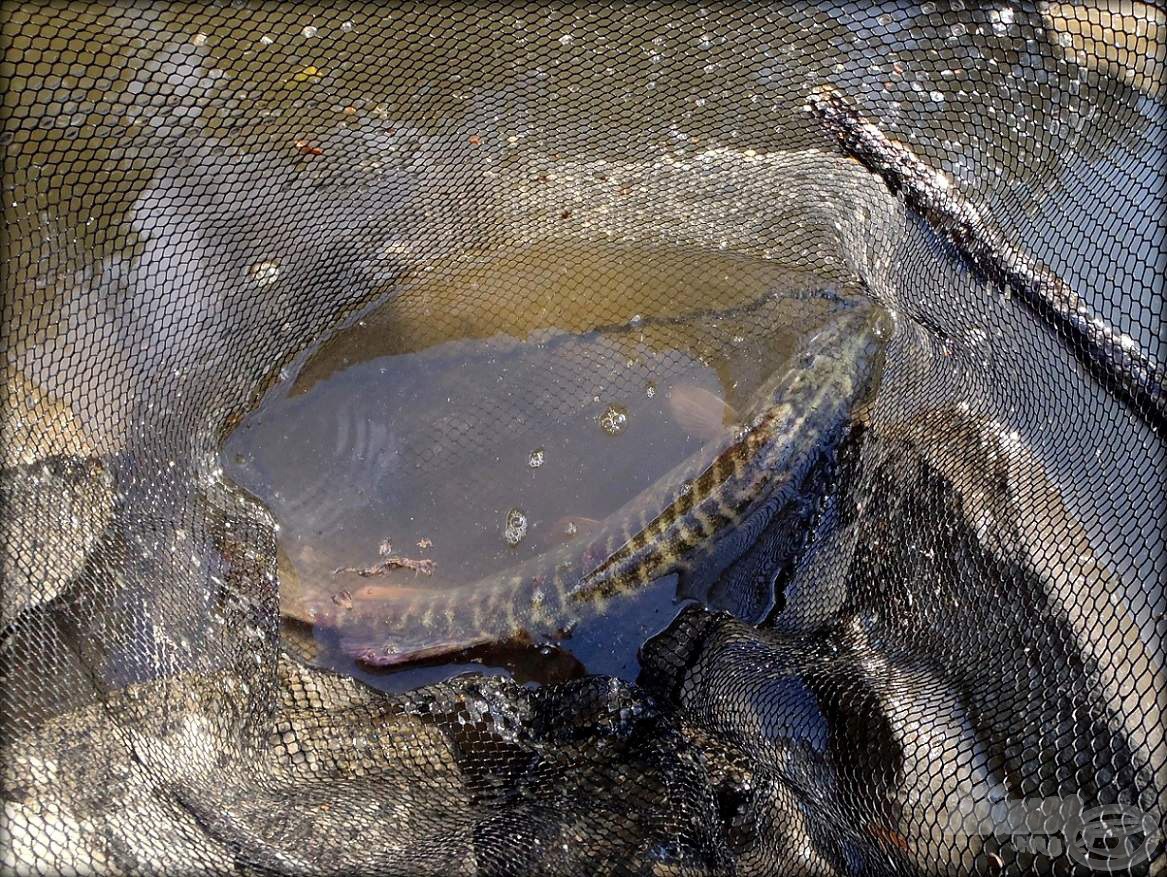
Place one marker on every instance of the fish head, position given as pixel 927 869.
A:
pixel 395 655
pixel 399 650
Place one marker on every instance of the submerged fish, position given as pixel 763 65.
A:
pixel 701 516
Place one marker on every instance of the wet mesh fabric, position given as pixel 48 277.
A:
pixel 964 672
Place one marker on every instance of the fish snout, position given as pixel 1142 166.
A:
pixel 398 651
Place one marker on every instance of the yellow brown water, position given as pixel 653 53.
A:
pixel 563 287
pixel 552 382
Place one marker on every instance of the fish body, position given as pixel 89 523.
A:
pixel 703 514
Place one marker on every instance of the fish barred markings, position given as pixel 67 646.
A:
pixel 800 412
pixel 685 520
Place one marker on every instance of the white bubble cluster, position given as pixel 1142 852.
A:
pixel 264 273
pixel 516 527
pixel 614 419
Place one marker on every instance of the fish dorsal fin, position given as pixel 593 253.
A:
pixel 700 412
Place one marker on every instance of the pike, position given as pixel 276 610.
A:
pixel 702 515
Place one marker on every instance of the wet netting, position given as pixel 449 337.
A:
pixel 938 648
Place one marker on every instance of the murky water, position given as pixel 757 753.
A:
pixel 493 410
pixel 209 186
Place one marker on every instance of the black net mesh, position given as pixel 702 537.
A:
pixel 952 661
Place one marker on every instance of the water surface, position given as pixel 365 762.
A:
pixel 499 406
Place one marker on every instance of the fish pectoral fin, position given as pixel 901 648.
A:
pixel 701 413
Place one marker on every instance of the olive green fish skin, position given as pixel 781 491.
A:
pixel 800 413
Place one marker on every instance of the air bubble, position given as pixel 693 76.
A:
pixel 614 419
pixel 516 527
pixel 264 273
pixel 309 31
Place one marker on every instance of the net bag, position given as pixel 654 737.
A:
pixel 958 665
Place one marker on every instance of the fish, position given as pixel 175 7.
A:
pixel 702 515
